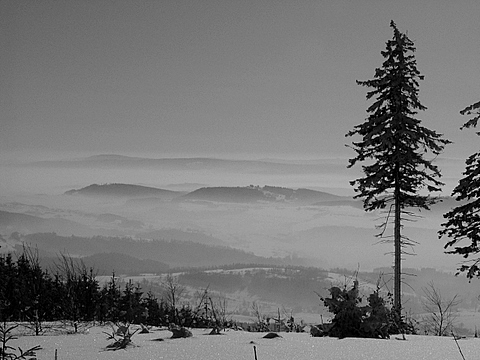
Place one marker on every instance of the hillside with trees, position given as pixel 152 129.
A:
pixel 174 253
pixel 123 190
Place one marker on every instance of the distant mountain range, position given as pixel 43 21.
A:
pixel 200 163
pixel 137 194
pixel 248 194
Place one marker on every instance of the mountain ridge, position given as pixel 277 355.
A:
pixel 198 163
pixel 257 194
pixel 123 190
pixel 174 253
pixel 239 194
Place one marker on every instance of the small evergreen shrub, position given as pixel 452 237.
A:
pixel 373 320
pixel 8 352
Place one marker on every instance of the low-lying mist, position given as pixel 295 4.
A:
pixel 327 234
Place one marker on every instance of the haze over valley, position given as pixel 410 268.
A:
pixel 267 207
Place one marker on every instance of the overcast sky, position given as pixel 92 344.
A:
pixel 222 78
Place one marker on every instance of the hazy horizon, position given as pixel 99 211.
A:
pixel 221 77
pixel 335 235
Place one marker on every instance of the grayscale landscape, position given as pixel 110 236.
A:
pixel 203 148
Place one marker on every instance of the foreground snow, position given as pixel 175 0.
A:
pixel 239 345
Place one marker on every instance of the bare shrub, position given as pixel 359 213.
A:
pixel 441 313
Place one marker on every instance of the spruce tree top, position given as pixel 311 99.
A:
pixel 472 110
pixel 393 142
pixel 463 221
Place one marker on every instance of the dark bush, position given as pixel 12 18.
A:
pixel 373 320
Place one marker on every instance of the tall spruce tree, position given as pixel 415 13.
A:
pixel 398 176
pixel 463 221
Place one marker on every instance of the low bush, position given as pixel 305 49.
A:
pixel 375 319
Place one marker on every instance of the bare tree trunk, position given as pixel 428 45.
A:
pixel 173 292
pixel 397 297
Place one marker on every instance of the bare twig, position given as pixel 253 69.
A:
pixel 456 342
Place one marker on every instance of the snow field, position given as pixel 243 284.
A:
pixel 239 345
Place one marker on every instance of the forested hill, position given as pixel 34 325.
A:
pixel 261 194
pixel 25 223
pixel 173 253
pixel 109 263
pixel 123 190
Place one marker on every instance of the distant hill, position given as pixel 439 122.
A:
pixel 312 196
pixel 9 218
pixel 120 221
pixel 123 190
pixel 226 194
pixel 174 253
pixel 297 287
pixel 106 263
pixel 102 263
pixel 252 193
pixel 181 235
pixel 282 287
pixel 11 222
pixel 321 166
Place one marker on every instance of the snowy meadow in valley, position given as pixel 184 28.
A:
pixel 241 345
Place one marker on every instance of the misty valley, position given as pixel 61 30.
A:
pixel 276 174
pixel 278 246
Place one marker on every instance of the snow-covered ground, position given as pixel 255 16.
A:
pixel 239 345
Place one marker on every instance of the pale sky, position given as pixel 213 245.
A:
pixel 206 77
